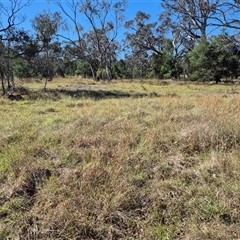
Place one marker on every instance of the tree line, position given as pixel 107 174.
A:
pixel 193 39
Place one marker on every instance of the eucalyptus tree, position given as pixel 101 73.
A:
pixel 91 52
pixel 10 17
pixel 96 40
pixel 23 48
pixel 105 18
pixel 3 67
pixel 194 22
pixel 16 49
pixel 146 38
pixel 168 64
pixel 143 36
pixel 70 60
pixel 46 25
pixel 196 19
pixel 10 13
pixel 138 64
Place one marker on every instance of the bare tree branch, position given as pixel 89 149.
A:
pixel 10 13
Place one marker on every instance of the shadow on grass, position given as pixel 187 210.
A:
pixel 56 94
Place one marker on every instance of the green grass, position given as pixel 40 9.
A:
pixel 141 160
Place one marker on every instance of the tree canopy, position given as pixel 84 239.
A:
pixel 199 39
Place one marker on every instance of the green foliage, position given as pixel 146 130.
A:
pixel 83 69
pixel 165 65
pixel 156 66
pixel 22 68
pixel 202 63
pixel 70 67
pixel 229 57
pixel 120 70
pixel 46 25
pixel 210 61
pixel 102 73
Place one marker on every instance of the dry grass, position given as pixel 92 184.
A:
pixel 152 166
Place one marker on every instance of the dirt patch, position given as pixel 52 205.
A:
pixel 29 184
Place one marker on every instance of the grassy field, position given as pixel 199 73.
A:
pixel 120 160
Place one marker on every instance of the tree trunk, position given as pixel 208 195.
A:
pixel 45 84
pixel 3 87
pixel 92 70
pixel 8 81
pixel 108 74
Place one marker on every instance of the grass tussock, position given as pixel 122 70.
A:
pixel 159 166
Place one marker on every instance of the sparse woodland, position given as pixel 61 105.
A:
pixel 145 146
pixel 194 40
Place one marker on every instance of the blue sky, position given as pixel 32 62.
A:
pixel 149 6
